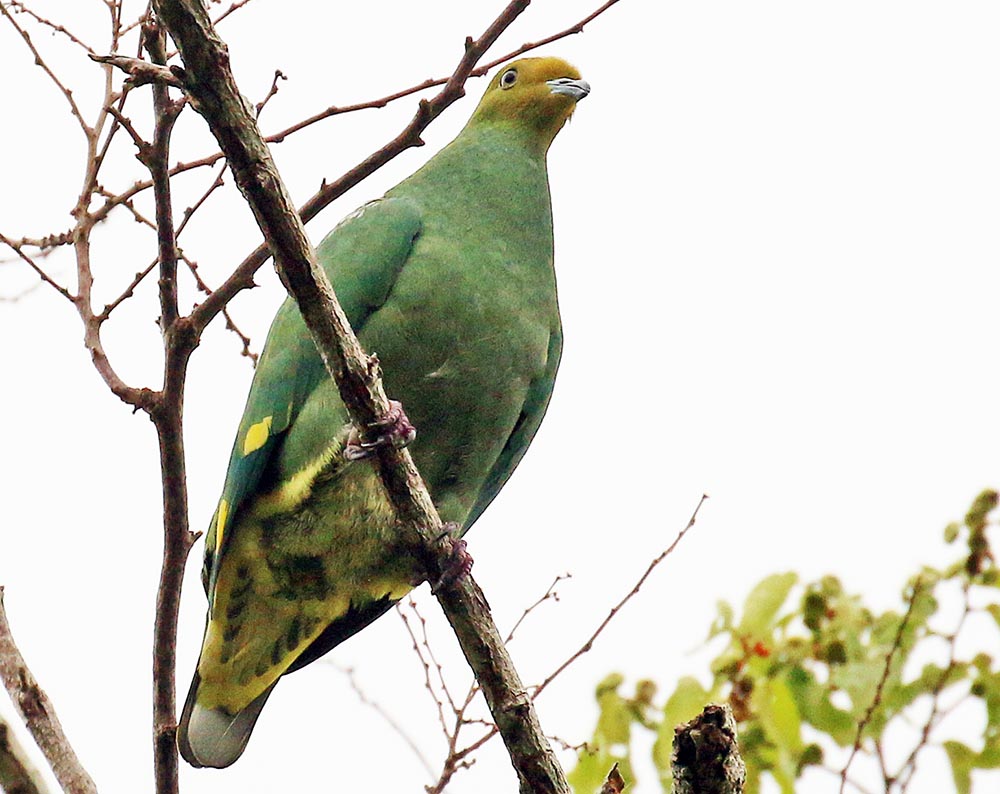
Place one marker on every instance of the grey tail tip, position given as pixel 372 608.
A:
pixel 214 737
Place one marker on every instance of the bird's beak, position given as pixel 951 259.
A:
pixel 575 89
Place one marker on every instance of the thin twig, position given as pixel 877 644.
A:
pixel 428 685
pixel 909 766
pixel 48 242
pixel 385 715
pixel 272 91
pixel 128 293
pixel 56 28
pixel 550 594
pixel 628 597
pixel 449 769
pixel 16 248
pixel 877 698
pixel 125 123
pixel 43 65
pixel 234 7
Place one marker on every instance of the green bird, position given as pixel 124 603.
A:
pixel 449 279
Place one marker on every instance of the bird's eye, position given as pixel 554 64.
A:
pixel 508 78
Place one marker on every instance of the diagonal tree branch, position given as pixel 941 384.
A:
pixel 35 708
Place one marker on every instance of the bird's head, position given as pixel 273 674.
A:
pixel 537 94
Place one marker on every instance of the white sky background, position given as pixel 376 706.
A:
pixel 775 228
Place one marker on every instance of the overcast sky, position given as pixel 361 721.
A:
pixel 776 241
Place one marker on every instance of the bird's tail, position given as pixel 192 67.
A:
pixel 214 737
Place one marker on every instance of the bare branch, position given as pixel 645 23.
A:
pixel 128 293
pixel 46 243
pixel 155 158
pixel 35 708
pixel 125 123
pixel 218 182
pixel 428 685
pixel 140 72
pixel 278 75
pixel 233 8
pixel 456 758
pixel 550 594
pixel 137 397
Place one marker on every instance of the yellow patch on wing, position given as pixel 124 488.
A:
pixel 297 488
pixel 220 522
pixel 256 436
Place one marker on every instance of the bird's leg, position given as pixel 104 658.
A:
pixel 459 561
pixel 394 429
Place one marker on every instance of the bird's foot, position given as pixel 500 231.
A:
pixel 394 429
pixel 459 562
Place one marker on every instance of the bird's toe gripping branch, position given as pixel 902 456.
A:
pixel 394 429
pixel 459 562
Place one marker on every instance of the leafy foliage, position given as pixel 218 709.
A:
pixel 815 677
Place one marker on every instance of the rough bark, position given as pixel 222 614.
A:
pixel 39 715
pixel 706 758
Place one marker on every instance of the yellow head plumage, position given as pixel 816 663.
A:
pixel 537 93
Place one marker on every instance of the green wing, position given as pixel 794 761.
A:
pixel 362 257
pixel 535 403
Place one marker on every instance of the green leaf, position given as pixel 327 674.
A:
pixel 611 742
pixel 591 770
pixel 723 622
pixel 615 720
pixel 963 760
pixel 775 706
pixel 859 680
pixel 987 686
pixel 816 708
pixel 763 603
pixel 975 519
